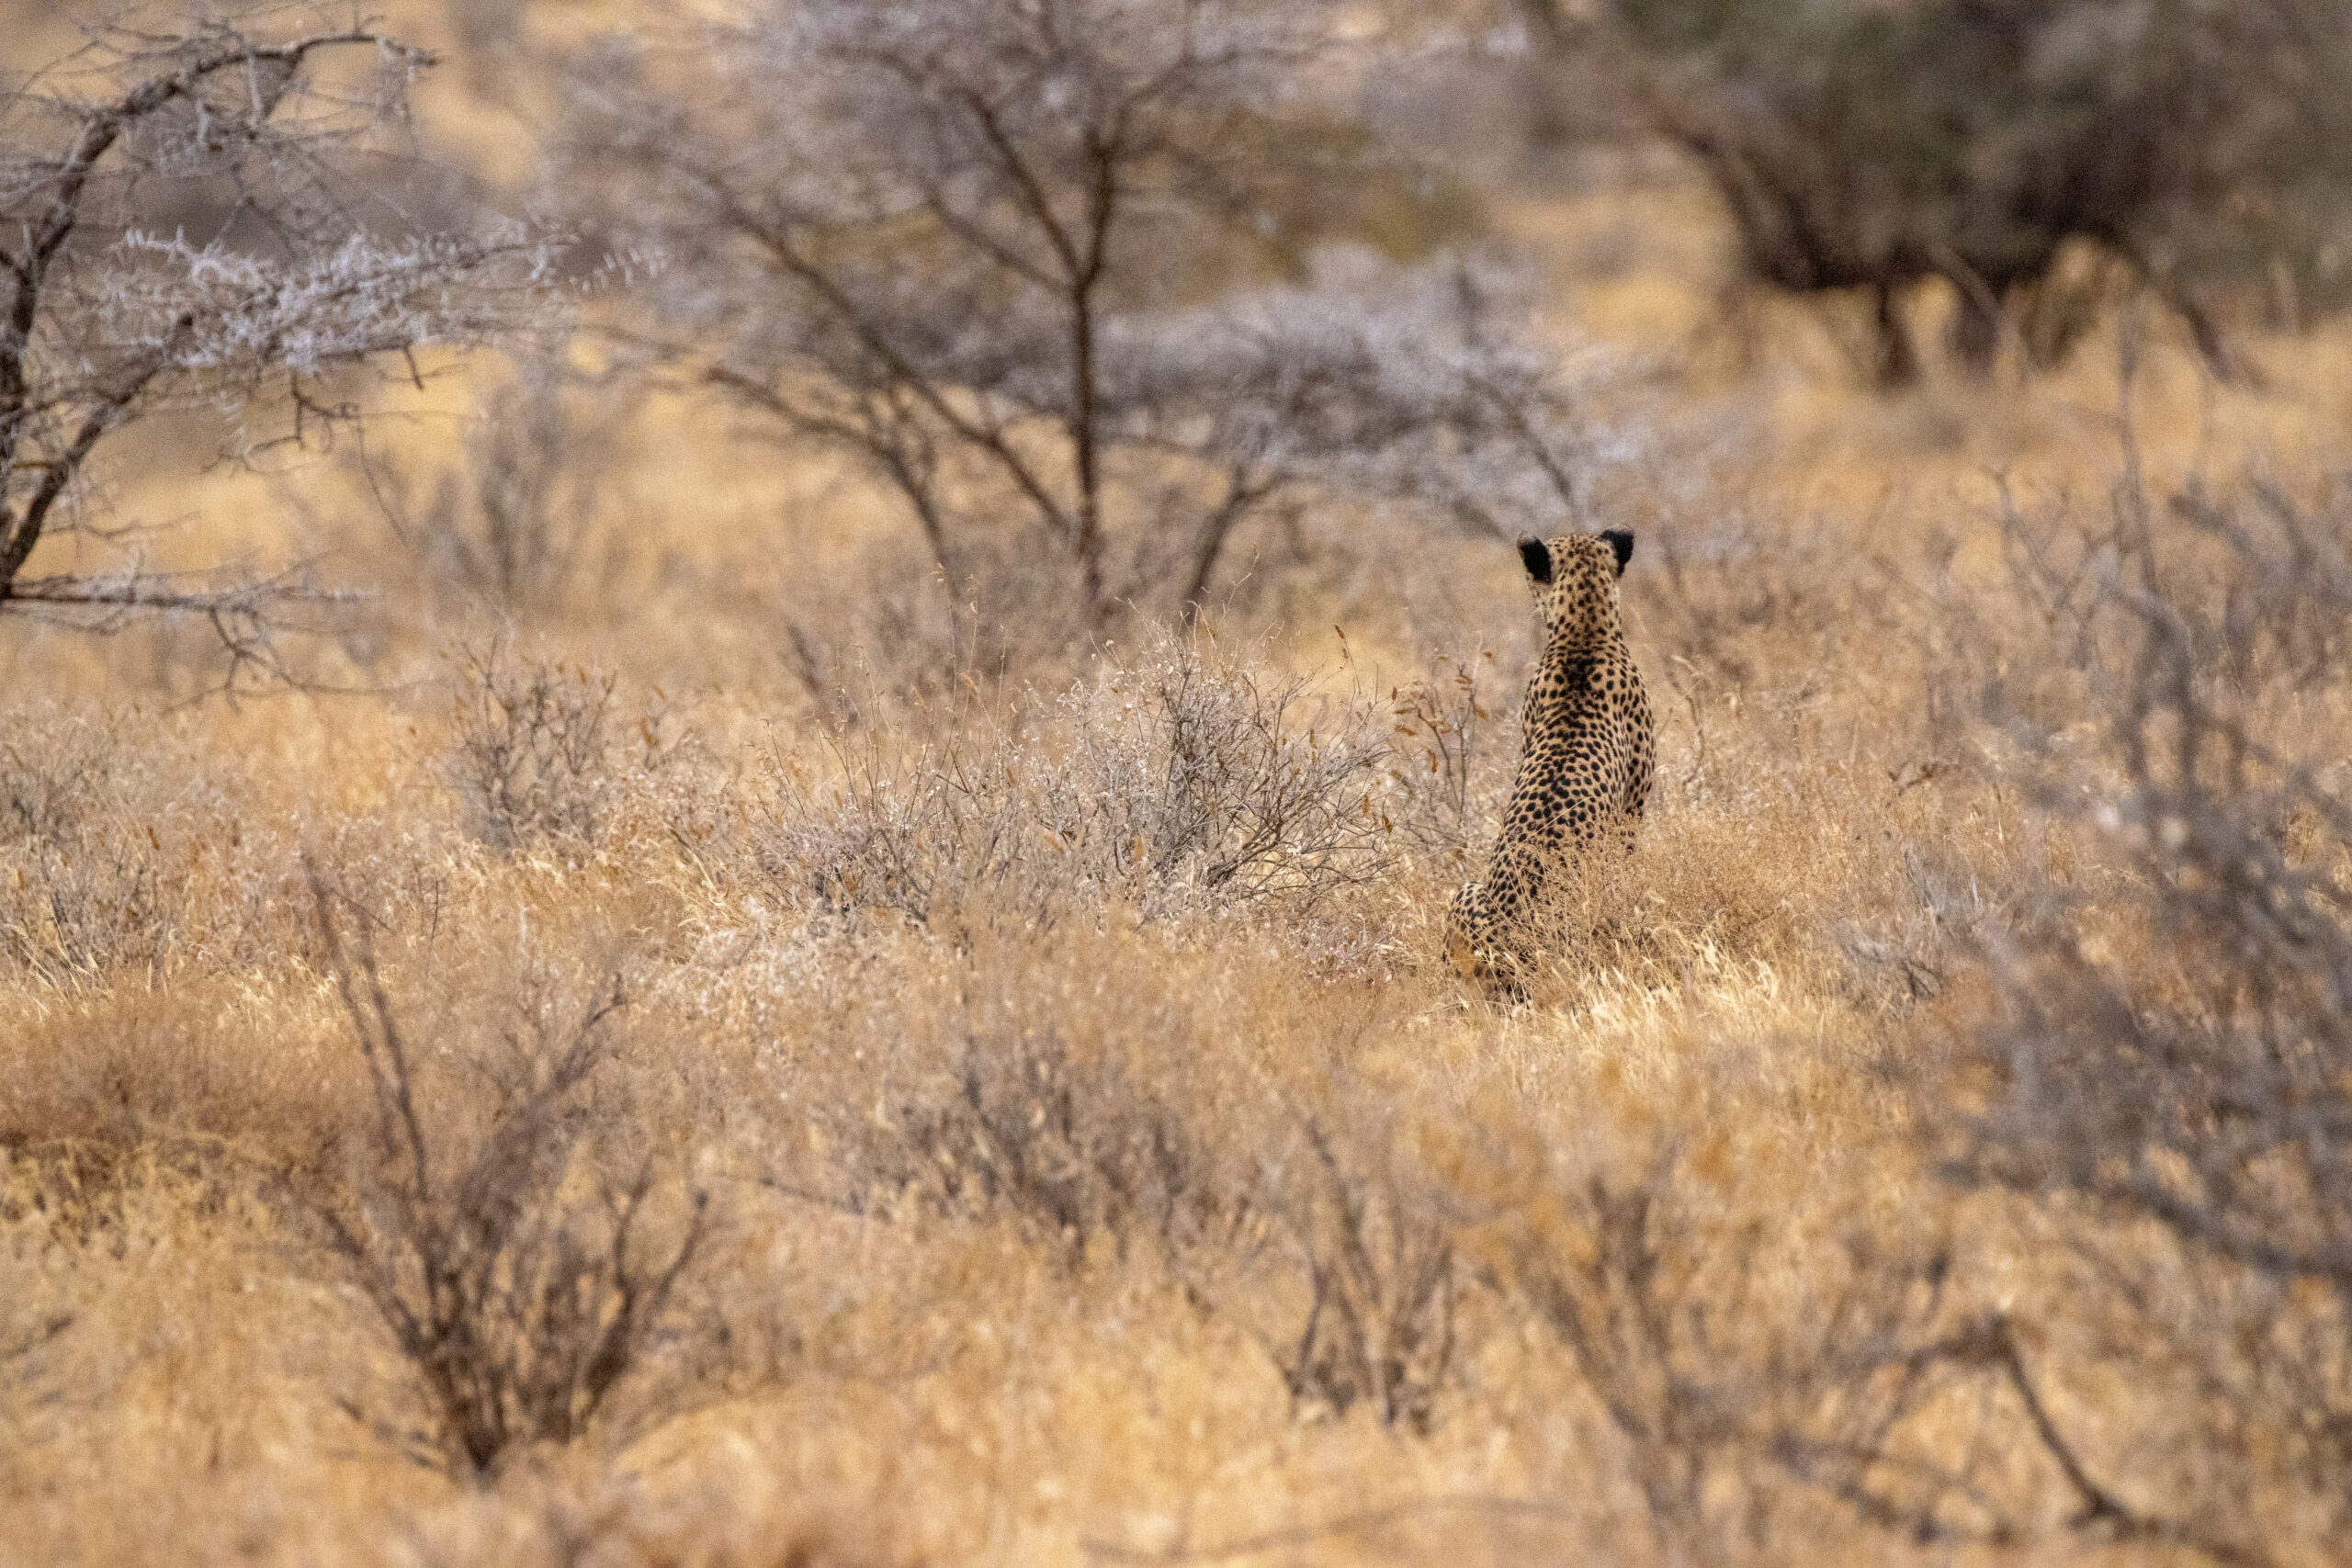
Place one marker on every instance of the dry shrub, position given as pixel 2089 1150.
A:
pixel 1007 1079
pixel 1373 1240
pixel 512 1218
pixel 919 628
pixel 1740 1350
pixel 540 755
pixel 2166 1075
pixel 1062 1135
pixel 513 528
pixel 1453 744
pixel 1189 779
pixel 863 638
pixel 80 874
pixel 1059 371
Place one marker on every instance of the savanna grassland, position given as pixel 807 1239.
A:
pixel 714 1053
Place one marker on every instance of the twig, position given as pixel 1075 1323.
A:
pixel 1361 1523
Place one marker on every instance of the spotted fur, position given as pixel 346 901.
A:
pixel 1590 751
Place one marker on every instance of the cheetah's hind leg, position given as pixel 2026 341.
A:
pixel 1465 923
pixel 1472 948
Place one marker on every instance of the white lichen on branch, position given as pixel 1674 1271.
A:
pixel 198 217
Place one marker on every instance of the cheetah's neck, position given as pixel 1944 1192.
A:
pixel 1565 683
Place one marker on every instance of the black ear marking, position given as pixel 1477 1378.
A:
pixel 1623 543
pixel 1538 556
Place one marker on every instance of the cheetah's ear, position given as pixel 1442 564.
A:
pixel 1538 556
pixel 1623 543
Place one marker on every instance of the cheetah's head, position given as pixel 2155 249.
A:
pixel 1576 583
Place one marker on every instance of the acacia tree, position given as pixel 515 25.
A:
pixel 186 219
pixel 1013 259
pixel 1857 146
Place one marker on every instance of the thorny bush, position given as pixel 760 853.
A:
pixel 540 758
pixel 1186 780
pixel 1009 1082
pixel 2171 1052
pixel 1372 1240
pixel 98 847
pixel 511 1224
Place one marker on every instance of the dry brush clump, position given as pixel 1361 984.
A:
pixel 1371 1241
pixel 1005 1079
pixel 1764 1341
pixel 109 821
pixel 509 526
pixel 514 1220
pixel 1187 780
pixel 1451 737
pixel 2162 1077
pixel 542 757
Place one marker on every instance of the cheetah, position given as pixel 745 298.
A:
pixel 1590 750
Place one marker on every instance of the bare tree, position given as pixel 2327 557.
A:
pixel 184 221
pixel 989 251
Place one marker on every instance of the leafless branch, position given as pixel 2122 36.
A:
pixel 106 323
pixel 958 259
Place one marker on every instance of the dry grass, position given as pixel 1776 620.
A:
pixel 1085 1155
